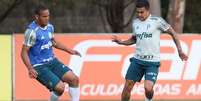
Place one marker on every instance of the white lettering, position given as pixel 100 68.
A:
pixel 101 89
pixel 193 63
pixel 77 62
pixel 46 46
pixel 177 65
pixel 167 89
pixel 194 90
pixel 138 89
pixel 176 69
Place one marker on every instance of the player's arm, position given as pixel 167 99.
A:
pixel 25 59
pixel 130 41
pixel 29 41
pixel 182 55
pixel 164 26
pixel 60 46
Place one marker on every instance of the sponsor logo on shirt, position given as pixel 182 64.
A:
pixel 46 46
pixel 144 35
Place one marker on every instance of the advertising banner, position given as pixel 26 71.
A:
pixel 103 66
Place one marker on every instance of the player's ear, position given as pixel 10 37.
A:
pixel 36 17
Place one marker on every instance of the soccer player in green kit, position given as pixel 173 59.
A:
pixel 146 61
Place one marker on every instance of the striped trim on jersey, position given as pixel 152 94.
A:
pixel 30 37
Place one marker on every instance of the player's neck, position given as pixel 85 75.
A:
pixel 148 15
pixel 40 25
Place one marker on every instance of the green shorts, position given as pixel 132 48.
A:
pixel 51 73
pixel 139 68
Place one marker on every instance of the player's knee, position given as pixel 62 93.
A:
pixel 148 89
pixel 75 81
pixel 59 89
pixel 148 86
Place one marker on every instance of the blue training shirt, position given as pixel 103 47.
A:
pixel 40 41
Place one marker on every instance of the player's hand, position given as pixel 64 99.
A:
pixel 183 56
pixel 32 73
pixel 116 39
pixel 74 52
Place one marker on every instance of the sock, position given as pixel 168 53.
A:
pixel 146 99
pixel 54 97
pixel 74 93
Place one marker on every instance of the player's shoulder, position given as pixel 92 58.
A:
pixel 32 25
pixel 156 18
pixel 49 25
pixel 31 28
pixel 135 20
pixel 29 32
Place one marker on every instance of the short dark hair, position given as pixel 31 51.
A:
pixel 143 3
pixel 39 8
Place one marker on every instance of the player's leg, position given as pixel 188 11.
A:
pixel 51 81
pixel 73 82
pixel 126 93
pixel 66 75
pixel 53 96
pixel 151 74
pixel 149 92
pixel 58 91
pixel 70 78
pixel 134 74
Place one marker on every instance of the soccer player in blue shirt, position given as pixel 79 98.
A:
pixel 146 61
pixel 42 65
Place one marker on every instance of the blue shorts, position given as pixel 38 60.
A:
pixel 139 68
pixel 51 73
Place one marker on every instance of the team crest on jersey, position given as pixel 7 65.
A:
pixel 137 27
pixel 42 37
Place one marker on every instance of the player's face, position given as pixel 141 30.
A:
pixel 142 13
pixel 43 18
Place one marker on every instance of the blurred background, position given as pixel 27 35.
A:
pixel 98 16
